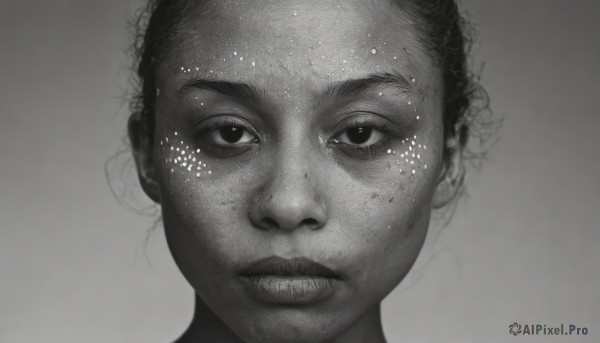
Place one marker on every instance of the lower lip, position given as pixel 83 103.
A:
pixel 289 289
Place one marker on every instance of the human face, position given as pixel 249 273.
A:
pixel 294 129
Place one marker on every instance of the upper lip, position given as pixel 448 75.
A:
pixel 276 265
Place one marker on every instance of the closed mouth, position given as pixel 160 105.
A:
pixel 300 266
pixel 295 281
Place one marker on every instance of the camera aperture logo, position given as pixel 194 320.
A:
pixel 516 329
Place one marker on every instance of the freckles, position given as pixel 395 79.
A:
pixel 182 159
pixel 411 161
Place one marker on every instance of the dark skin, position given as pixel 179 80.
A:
pixel 322 139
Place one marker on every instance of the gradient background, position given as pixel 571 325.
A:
pixel 522 247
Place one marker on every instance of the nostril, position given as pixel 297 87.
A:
pixel 310 222
pixel 270 223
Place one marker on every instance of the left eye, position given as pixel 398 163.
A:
pixel 231 135
pixel 360 136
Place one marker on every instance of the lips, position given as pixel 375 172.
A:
pixel 278 280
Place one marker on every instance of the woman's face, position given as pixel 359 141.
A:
pixel 305 133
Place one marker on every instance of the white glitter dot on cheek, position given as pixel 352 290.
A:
pixel 374 52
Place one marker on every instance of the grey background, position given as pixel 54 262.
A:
pixel 522 247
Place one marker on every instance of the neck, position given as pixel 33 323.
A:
pixel 207 327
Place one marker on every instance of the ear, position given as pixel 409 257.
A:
pixel 141 143
pixel 452 175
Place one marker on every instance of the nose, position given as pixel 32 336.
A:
pixel 290 198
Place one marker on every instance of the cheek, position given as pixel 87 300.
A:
pixel 202 210
pixel 385 222
pixel 177 158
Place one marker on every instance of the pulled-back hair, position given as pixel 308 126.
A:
pixel 444 33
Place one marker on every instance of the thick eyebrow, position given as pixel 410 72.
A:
pixel 348 88
pixel 240 90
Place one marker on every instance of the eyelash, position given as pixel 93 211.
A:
pixel 223 150
pixel 360 152
pixel 369 151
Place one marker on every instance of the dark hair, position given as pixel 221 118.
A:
pixel 444 33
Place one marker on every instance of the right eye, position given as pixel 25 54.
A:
pixel 231 135
pixel 226 136
pixel 360 136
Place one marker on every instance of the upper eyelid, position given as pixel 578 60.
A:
pixel 213 123
pixel 347 123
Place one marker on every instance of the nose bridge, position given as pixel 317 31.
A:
pixel 290 198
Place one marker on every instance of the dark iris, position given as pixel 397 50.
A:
pixel 359 135
pixel 231 134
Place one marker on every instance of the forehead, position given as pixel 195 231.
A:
pixel 307 40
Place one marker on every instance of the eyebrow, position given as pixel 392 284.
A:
pixel 234 89
pixel 346 88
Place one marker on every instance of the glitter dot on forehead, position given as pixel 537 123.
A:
pixel 374 51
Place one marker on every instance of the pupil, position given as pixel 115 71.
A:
pixel 231 134
pixel 359 135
